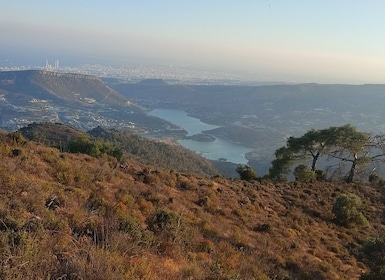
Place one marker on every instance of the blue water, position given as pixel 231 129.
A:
pixel 217 149
pixel 180 118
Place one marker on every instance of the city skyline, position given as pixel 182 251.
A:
pixel 302 41
pixel 50 67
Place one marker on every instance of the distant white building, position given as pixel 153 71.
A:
pixel 49 66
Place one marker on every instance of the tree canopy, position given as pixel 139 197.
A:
pixel 343 144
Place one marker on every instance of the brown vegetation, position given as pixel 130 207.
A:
pixel 71 216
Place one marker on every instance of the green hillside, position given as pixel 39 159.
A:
pixel 134 147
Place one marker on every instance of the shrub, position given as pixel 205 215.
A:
pixel 185 184
pixel 131 226
pixel 96 202
pixel 376 179
pixel 320 175
pixel 304 174
pixel 17 138
pixel 374 255
pixel 95 147
pixel 263 228
pixel 151 179
pixel 246 172
pixel 161 220
pixel 346 210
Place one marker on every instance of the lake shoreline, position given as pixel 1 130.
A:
pixel 217 149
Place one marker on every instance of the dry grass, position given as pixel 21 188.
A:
pixel 66 216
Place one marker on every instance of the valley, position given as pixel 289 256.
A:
pixel 263 117
pixel 259 118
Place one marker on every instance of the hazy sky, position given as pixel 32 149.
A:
pixel 326 41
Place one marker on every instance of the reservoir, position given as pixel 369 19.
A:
pixel 214 150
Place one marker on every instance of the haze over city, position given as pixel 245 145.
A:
pixel 266 40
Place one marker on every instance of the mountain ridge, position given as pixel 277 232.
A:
pixel 78 100
pixel 70 87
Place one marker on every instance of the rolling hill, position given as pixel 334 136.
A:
pixel 136 148
pixel 81 101
pixel 61 87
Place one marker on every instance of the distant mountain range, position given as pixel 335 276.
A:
pixel 291 109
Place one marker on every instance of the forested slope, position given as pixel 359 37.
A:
pixel 134 147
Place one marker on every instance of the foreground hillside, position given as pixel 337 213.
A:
pixel 71 216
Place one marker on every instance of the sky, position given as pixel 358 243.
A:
pixel 323 41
